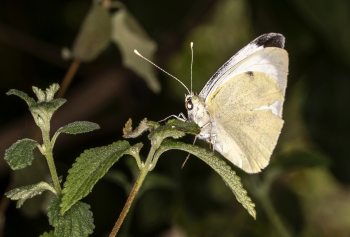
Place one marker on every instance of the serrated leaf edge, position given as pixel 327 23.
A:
pixel 220 166
pixel 67 203
pixel 23 193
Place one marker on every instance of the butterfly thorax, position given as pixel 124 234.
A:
pixel 199 113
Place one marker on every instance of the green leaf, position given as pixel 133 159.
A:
pixel 144 125
pixel 128 132
pixel 225 171
pixel 89 167
pixel 94 34
pixel 25 192
pixel 174 128
pixel 49 107
pixel 51 91
pixel 20 154
pixel 42 112
pixel 50 234
pixel 40 94
pixel 30 101
pixel 128 35
pixel 76 222
pixel 187 127
pixel 78 127
pixel 48 95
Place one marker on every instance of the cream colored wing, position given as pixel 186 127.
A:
pixel 245 133
pixel 227 70
pixel 272 61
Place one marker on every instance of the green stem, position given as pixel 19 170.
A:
pixel 129 201
pixel 144 169
pixel 50 161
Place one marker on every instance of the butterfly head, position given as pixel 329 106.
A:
pixel 191 101
pixel 196 110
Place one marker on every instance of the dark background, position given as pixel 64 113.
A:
pixel 310 191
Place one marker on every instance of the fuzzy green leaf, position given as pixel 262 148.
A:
pixel 51 91
pixel 25 192
pixel 76 222
pixel 50 234
pixel 42 112
pixel 94 34
pixel 187 127
pixel 128 132
pixel 152 125
pixel 225 171
pixel 174 128
pixel 40 94
pixel 47 107
pixel 89 167
pixel 78 127
pixel 30 101
pixel 20 154
pixel 46 96
pixel 144 125
pixel 165 131
pixel 128 35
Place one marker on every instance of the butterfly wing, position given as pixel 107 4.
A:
pixel 246 129
pixel 272 63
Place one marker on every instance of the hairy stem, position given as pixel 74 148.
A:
pixel 49 158
pixel 129 201
pixel 144 169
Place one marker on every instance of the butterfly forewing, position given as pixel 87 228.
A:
pixel 264 41
pixel 272 61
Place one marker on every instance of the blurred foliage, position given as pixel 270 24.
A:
pixel 311 190
pixel 129 35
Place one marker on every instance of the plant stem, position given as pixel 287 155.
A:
pixel 129 201
pixel 144 169
pixel 50 161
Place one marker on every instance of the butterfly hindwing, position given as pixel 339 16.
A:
pixel 246 134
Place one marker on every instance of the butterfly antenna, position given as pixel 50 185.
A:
pixel 137 53
pixel 191 63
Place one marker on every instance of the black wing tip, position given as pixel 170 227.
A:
pixel 270 40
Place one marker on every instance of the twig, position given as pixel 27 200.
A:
pixel 68 78
pixel 128 203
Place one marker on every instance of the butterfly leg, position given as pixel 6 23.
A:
pixel 188 156
pixel 212 142
pixel 180 117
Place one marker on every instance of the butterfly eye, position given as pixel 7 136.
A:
pixel 188 104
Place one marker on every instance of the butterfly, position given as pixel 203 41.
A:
pixel 239 110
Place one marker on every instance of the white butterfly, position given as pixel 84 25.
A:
pixel 239 109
